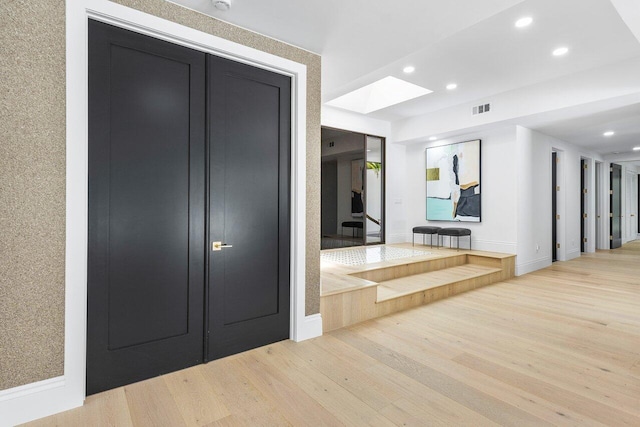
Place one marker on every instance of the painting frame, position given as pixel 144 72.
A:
pixel 453 175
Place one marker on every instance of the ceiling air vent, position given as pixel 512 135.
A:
pixel 481 109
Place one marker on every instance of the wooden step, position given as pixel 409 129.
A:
pixel 401 287
pixel 353 293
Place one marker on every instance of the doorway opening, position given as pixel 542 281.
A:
pixel 616 206
pixel 353 193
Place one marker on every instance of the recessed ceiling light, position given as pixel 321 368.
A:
pixel 609 133
pixel 524 22
pixel 222 5
pixel 560 51
pixel 409 69
pixel 377 95
pixel 433 138
pixel 452 86
pixel 636 148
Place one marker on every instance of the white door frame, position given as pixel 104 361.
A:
pixel 631 205
pixel 589 208
pixel 47 397
pixel 601 217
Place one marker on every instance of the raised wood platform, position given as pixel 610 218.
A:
pixel 352 294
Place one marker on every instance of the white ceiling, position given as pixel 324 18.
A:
pixel 472 43
pixel 355 37
pixel 587 130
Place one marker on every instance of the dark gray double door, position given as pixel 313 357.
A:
pixel 185 149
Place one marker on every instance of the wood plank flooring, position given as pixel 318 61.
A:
pixel 560 346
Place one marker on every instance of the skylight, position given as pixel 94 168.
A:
pixel 381 94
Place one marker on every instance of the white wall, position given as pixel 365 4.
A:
pixel 534 199
pixel 497 230
pixel 534 203
pixel 398 201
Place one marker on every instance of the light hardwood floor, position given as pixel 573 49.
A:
pixel 560 346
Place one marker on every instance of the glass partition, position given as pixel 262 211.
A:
pixel 374 190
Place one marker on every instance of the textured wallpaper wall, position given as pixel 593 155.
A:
pixel 32 191
pixel 32 176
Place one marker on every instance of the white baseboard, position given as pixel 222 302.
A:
pixel 493 245
pixel 311 327
pixel 36 400
pixel 573 255
pixel 479 244
pixel 530 266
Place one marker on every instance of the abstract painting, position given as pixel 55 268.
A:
pixel 453 182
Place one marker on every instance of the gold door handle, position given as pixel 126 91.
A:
pixel 217 246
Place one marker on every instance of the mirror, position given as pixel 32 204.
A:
pixel 352 193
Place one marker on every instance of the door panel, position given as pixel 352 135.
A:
pixel 583 203
pixel 249 144
pixel 631 206
pixel 146 207
pixel 554 206
pixel 616 206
